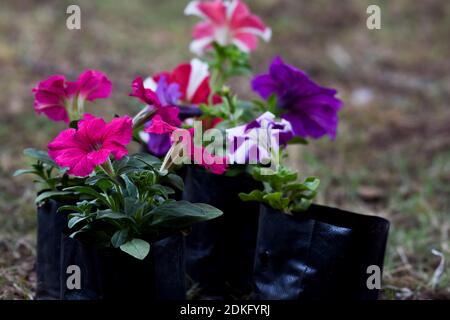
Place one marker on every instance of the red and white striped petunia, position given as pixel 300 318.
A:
pixel 226 22
pixel 192 80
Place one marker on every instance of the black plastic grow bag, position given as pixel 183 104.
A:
pixel 50 225
pixel 220 253
pixel 110 274
pixel 323 253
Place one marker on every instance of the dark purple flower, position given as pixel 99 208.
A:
pixel 311 109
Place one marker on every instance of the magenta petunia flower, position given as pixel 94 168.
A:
pixel 51 98
pixel 311 109
pixel 199 155
pixel 146 95
pixel 62 100
pixel 92 144
pixel 91 85
pixel 159 126
pixel 226 22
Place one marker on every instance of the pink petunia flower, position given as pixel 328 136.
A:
pixel 226 22
pixel 91 85
pixel 214 163
pixel 51 98
pixel 159 126
pixel 145 95
pixel 62 100
pixel 91 145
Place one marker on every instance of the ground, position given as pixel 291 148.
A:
pixel 392 154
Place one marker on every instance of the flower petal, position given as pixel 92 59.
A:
pixel 159 144
pixel 50 97
pixel 213 11
pixel 119 130
pixel 198 75
pixel 158 126
pixel 93 84
pixel 146 96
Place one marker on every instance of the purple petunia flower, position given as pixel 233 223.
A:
pixel 257 141
pixel 168 94
pixel 311 109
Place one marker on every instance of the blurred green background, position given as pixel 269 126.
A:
pixel 392 154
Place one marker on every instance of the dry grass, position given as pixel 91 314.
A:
pixel 392 155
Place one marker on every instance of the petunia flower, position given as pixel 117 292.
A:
pixel 225 22
pixel 62 100
pixel 196 154
pixel 161 103
pixel 256 141
pixel 91 85
pixel 159 126
pixel 191 80
pixel 145 95
pixel 311 109
pixel 216 164
pixel 51 98
pixel 158 101
pixel 91 144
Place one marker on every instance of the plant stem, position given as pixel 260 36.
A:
pixel 168 161
pixel 108 168
pixel 142 117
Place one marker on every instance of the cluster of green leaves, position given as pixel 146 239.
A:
pixel 126 207
pixel 282 191
pixel 233 111
pixel 131 207
pixel 226 62
pixel 50 178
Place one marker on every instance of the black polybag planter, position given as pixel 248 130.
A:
pixel 50 225
pixel 110 274
pixel 321 254
pixel 220 252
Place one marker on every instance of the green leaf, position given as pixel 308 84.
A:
pixel 272 102
pixel 182 214
pixel 148 159
pixel 108 214
pixel 298 140
pixel 312 183
pixel 162 190
pixel 75 220
pixel 301 205
pixel 93 180
pixel 133 206
pixel 130 188
pixel 276 201
pixel 69 208
pixel 255 195
pixel 39 155
pixel 295 187
pixel 88 191
pixel 50 194
pixel 175 180
pixel 119 238
pixel 23 171
pixel 137 248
